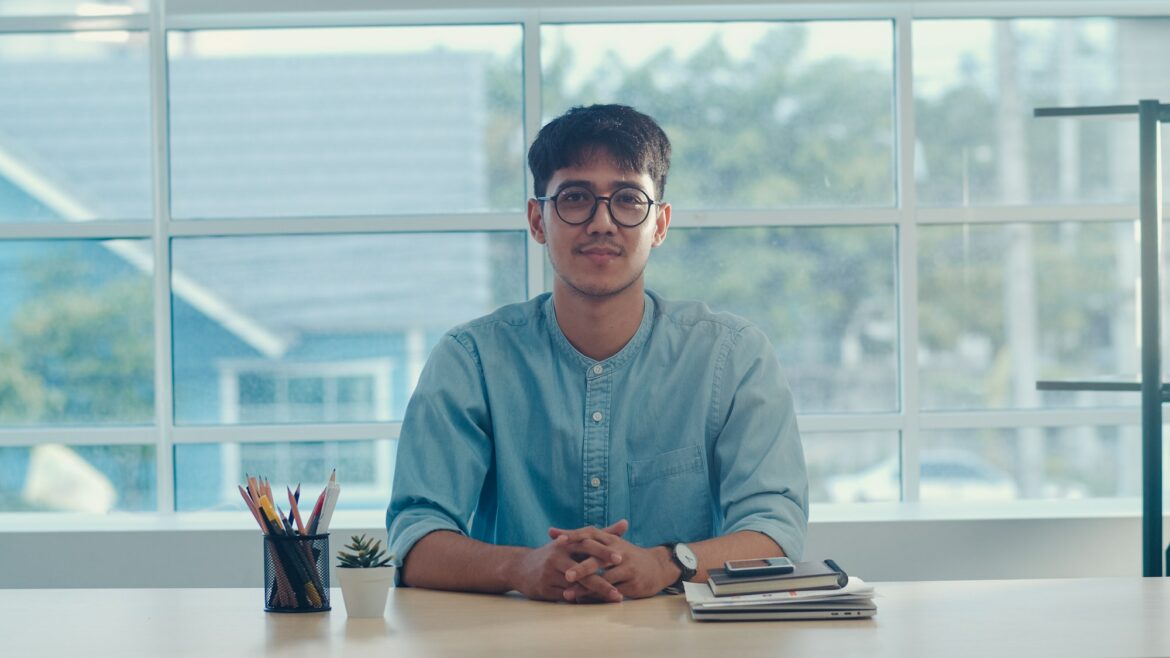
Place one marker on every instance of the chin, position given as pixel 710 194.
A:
pixel 599 289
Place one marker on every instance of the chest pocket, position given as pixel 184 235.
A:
pixel 670 498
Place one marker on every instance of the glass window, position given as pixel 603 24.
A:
pixel 50 477
pixel 976 83
pixel 74 127
pixel 824 296
pixel 990 465
pixel 206 475
pixel 1002 306
pixel 346 121
pixel 760 115
pixel 76 332
pixel 325 328
pixel 853 467
pixel 73 7
pixel 338 391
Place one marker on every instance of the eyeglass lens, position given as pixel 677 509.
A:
pixel 628 206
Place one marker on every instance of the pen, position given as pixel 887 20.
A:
pixel 332 492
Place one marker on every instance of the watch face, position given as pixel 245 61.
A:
pixel 686 556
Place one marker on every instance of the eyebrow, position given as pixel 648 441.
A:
pixel 589 185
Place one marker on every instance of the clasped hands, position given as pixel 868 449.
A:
pixel 592 565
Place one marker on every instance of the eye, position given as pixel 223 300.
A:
pixel 630 197
pixel 574 196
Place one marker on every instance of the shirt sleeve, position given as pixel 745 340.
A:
pixel 763 484
pixel 444 450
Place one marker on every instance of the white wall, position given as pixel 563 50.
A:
pixel 185 554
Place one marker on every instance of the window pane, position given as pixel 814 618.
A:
pixel 76 332
pixel 976 83
pixel 325 328
pixel 206 475
pixel 74 127
pixel 853 467
pixel 1002 306
pixel 824 296
pixel 58 478
pixel 348 121
pixel 760 114
pixel 73 7
pixel 1031 463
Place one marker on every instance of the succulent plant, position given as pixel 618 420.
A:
pixel 366 554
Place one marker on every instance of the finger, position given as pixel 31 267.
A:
pixel 591 564
pixel 618 528
pixel 593 556
pixel 582 569
pixel 617 576
pixel 557 566
pixel 596 534
pixel 595 586
pixel 579 593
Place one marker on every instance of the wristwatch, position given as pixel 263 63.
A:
pixel 688 564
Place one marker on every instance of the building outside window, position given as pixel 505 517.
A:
pixel 335 190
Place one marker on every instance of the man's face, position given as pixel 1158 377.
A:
pixel 599 258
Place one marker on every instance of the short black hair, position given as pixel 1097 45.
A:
pixel 634 140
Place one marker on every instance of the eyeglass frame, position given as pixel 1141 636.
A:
pixel 597 199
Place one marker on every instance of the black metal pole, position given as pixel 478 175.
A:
pixel 1151 243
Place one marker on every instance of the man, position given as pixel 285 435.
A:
pixel 600 442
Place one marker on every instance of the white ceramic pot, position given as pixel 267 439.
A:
pixel 365 590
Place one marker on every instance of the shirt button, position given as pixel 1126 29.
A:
pixel 597 369
pixel 597 416
pixel 596 482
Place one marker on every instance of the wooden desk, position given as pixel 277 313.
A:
pixel 1083 617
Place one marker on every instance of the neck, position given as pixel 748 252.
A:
pixel 599 327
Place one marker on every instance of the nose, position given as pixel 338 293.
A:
pixel 602 220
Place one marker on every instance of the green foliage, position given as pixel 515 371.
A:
pixel 365 554
pixel 22 393
pixel 81 349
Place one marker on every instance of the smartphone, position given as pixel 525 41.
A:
pixel 763 566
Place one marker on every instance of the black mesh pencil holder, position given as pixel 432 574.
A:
pixel 296 573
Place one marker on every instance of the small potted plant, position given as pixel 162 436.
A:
pixel 365 573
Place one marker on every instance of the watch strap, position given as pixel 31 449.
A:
pixel 685 572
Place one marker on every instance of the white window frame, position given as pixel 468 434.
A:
pixel 379 371
pixel 905 215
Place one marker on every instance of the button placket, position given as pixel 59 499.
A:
pixel 595 450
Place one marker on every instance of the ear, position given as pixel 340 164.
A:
pixel 536 221
pixel 661 224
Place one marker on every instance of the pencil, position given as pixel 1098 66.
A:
pixel 315 515
pixel 252 508
pixel 296 513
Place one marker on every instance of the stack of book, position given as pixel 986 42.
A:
pixel 814 590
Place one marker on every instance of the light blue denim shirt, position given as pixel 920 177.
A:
pixel 689 432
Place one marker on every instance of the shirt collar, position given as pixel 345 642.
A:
pixel 629 351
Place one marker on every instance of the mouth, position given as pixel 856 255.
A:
pixel 600 255
pixel 599 248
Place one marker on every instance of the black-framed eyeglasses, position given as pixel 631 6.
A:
pixel 628 206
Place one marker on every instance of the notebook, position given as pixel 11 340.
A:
pixel 812 610
pixel 820 574
pixel 854 601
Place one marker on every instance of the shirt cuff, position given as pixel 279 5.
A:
pixel 407 530
pixel 791 542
